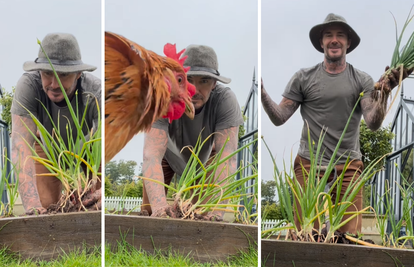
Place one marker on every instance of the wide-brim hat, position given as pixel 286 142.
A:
pixel 202 61
pixel 64 53
pixel 315 33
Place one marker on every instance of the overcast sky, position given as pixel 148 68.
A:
pixel 229 27
pixel 286 48
pixel 25 21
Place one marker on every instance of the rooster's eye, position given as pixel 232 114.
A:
pixel 179 79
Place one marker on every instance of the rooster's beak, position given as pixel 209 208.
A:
pixel 189 108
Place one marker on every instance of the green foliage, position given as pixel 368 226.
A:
pixel 124 254
pixel 374 144
pixel 120 172
pixel 242 130
pixel 6 102
pixel 109 192
pixel 272 211
pixel 133 189
pixel 84 257
pixel 268 191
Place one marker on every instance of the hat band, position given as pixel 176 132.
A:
pixel 59 62
pixel 195 68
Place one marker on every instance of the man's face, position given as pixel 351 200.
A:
pixel 335 42
pixel 204 85
pixel 52 88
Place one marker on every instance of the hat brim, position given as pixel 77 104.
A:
pixel 206 73
pixel 315 35
pixel 32 66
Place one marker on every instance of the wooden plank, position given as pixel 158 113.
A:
pixel 45 236
pixel 204 241
pixel 289 253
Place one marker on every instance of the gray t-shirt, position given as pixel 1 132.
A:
pixel 326 102
pixel 220 112
pixel 29 94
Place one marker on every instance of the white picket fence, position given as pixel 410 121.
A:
pixel 123 203
pixel 269 224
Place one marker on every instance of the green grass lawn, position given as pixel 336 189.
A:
pixel 127 255
pixel 79 258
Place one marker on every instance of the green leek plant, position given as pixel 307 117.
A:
pixel 396 226
pixel 66 161
pixel 312 203
pixel 11 188
pixel 402 57
pixel 198 192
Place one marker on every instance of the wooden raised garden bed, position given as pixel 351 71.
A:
pixel 204 241
pixel 44 237
pixel 289 253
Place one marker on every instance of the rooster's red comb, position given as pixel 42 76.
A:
pixel 171 51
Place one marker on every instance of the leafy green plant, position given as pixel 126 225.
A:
pixel 394 239
pixel 197 192
pixel 11 188
pixel 66 161
pixel 6 101
pixel 402 57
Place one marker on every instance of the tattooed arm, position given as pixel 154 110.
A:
pixel 155 145
pixel 20 153
pixel 374 110
pixel 278 114
pixel 228 167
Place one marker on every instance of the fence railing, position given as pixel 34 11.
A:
pixel 269 224
pixel 123 204
pixel 4 150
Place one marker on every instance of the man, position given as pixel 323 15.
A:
pixel 38 88
pixel 327 94
pixel 216 111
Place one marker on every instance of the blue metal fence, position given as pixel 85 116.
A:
pixel 5 150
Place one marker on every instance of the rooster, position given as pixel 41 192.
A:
pixel 140 88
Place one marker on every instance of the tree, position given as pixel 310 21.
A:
pixel 121 172
pixel 6 102
pixel 268 191
pixel 242 130
pixel 133 189
pixel 272 212
pixel 108 187
pixel 374 144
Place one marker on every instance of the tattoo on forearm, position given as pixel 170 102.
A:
pixel 20 158
pixel 278 114
pixel 374 111
pixel 155 146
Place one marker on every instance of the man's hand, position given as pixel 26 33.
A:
pixel 36 211
pixel 389 82
pixel 164 212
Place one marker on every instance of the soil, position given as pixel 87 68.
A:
pixel 90 201
pixel 177 211
pixel 339 237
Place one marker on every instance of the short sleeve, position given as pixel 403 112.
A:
pixel 228 113
pixel 25 96
pixel 367 85
pixel 293 89
pixel 92 87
